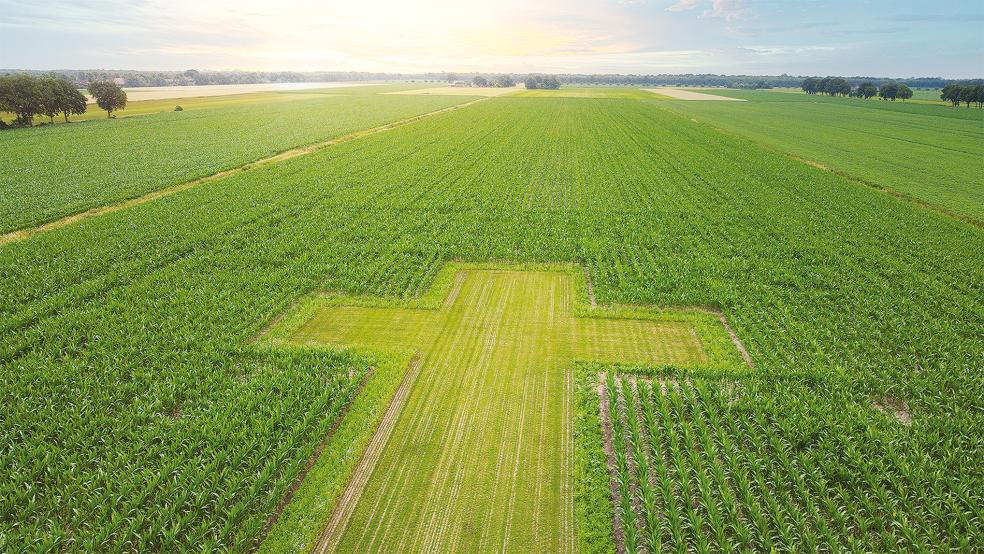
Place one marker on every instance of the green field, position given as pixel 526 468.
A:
pixel 928 153
pixel 144 412
pixel 59 170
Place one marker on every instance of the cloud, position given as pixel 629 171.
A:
pixel 729 10
pixel 683 5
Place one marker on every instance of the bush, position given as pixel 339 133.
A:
pixel 178 109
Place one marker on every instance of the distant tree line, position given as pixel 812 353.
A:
pixel 134 78
pixel 548 82
pixel 967 93
pixel 28 97
pixel 499 81
pixel 839 86
pixel 735 81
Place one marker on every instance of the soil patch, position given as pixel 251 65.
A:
pixel 678 94
pixel 895 408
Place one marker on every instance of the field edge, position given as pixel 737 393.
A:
pixel 297 528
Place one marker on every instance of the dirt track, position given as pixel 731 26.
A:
pixel 23 234
pixel 328 541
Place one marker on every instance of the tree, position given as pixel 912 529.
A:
pixel 71 101
pixel 109 96
pixel 480 81
pixel 823 86
pixel 543 82
pixel 867 89
pixel 48 100
pixel 904 92
pixel 970 94
pixel 951 93
pixel 810 85
pixel 888 91
pixel 20 95
pixel 839 85
pixel 979 95
pixel 504 81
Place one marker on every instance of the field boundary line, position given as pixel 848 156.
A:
pixel 347 502
pixel 905 197
pixel 736 340
pixel 591 295
pixel 28 232
pixel 313 459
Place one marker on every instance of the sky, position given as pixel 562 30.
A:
pixel 802 37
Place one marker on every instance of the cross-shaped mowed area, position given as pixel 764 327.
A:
pixel 478 457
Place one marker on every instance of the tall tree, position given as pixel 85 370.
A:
pixel 968 95
pixel 810 85
pixel 20 95
pixel 867 89
pixel 951 93
pixel 71 101
pixel 839 85
pixel 823 85
pixel 979 95
pixel 109 96
pixel 904 92
pixel 49 104
pixel 504 81
pixel 888 91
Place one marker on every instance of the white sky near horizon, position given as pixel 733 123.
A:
pixel 844 37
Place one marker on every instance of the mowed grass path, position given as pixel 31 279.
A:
pixel 480 457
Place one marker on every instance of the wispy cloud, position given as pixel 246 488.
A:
pixel 729 10
pixel 683 5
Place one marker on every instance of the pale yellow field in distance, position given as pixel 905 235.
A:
pixel 137 94
pixel 462 91
pixel 679 94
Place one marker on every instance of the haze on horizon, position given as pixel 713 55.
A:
pixel 817 37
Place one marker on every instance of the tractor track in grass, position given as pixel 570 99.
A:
pixel 328 540
pixel 28 232
pixel 606 433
